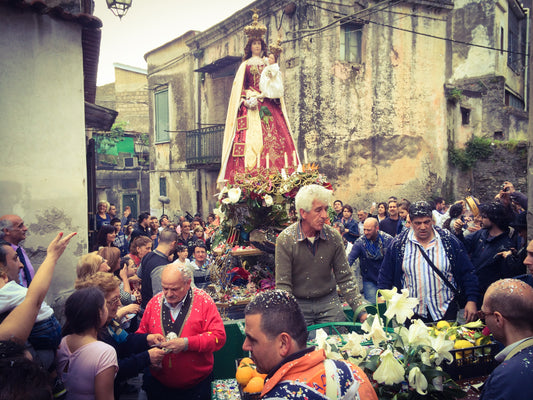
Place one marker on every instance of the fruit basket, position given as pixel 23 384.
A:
pixel 472 362
pixel 474 351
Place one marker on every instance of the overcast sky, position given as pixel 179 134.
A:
pixel 151 23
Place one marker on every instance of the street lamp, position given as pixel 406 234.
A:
pixel 119 7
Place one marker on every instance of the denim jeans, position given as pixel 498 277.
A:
pixel 369 291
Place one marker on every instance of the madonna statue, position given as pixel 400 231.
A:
pixel 257 132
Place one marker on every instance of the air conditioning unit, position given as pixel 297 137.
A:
pixel 130 162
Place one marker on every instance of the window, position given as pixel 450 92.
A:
pixel 465 116
pixel 516 40
pixel 513 101
pixel 162 186
pixel 161 116
pixel 351 35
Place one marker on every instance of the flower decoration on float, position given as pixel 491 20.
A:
pixel 401 363
pixel 261 198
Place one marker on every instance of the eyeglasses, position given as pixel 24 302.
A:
pixel 482 314
pixel 115 301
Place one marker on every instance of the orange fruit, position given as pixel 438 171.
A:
pixel 255 385
pixel 244 375
pixel 246 361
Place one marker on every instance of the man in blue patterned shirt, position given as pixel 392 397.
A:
pixel 404 266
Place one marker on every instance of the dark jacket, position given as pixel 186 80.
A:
pixel 150 262
pixel 511 379
pixel 139 230
pixel 483 251
pixel 353 230
pixel 391 270
pixel 132 355
pixel 369 264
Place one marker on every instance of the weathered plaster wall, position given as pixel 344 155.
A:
pixel 377 129
pixel 43 173
pixel 171 66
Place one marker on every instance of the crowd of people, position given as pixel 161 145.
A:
pixel 137 305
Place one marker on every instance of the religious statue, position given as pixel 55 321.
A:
pixel 257 132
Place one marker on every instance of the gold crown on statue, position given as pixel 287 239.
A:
pixel 255 30
pixel 276 48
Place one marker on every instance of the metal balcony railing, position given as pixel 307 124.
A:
pixel 204 145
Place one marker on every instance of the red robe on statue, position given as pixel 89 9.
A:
pixel 252 133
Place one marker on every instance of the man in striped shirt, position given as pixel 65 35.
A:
pixel 404 266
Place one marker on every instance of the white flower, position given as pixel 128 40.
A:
pixel 387 294
pixel 365 326
pixel 322 340
pixel 223 192
pixel 219 213
pixel 390 371
pixel 403 333
pixel 353 345
pixel 377 333
pixel 322 343
pixel 268 200
pixel 418 381
pixel 426 357
pixel 442 348
pixel 234 194
pixel 401 306
pixel 418 334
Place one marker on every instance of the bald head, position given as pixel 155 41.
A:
pixel 371 228
pixel 12 229
pixel 513 299
pixel 176 282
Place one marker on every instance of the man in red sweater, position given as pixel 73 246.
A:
pixel 190 321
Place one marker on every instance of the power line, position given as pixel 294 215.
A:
pixel 448 39
pixel 373 10
pixel 344 20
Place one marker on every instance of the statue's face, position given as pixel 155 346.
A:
pixel 256 48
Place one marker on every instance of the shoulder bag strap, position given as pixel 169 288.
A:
pixel 524 345
pixel 437 271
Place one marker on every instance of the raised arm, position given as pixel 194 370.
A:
pixel 19 323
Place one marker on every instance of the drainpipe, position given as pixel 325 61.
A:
pixel 526 67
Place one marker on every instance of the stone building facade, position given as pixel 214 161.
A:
pixel 122 170
pixel 369 89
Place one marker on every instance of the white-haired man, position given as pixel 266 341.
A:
pixel 311 261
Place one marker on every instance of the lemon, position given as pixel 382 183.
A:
pixel 443 325
pixel 462 344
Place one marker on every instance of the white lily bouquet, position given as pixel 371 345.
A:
pixel 402 363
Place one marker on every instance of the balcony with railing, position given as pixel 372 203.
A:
pixel 204 145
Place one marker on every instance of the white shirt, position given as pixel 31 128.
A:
pixel 12 294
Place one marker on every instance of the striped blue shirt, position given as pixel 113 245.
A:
pixel 422 281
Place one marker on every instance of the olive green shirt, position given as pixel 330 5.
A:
pixel 309 276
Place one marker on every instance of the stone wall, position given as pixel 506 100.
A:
pixel 484 181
